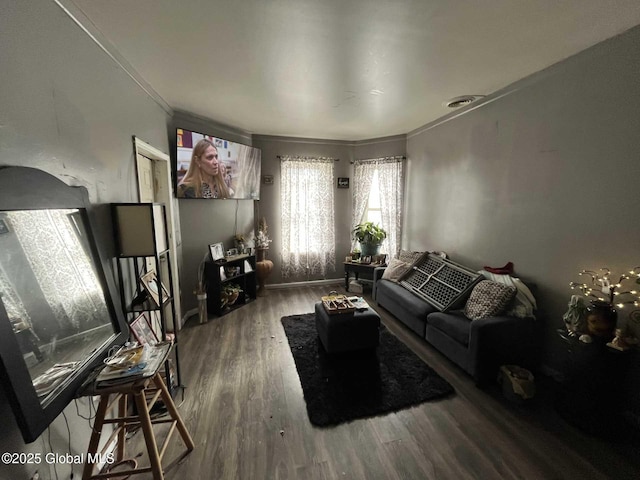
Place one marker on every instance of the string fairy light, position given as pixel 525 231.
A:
pixel 601 287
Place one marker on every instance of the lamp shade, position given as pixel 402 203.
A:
pixel 139 228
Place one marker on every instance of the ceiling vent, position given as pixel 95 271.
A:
pixel 461 101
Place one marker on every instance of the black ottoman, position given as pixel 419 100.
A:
pixel 347 332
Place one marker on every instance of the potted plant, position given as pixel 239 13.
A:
pixel 370 236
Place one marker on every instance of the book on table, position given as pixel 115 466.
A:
pixel 145 365
pixel 359 303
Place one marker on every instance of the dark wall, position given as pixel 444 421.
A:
pixel 207 221
pixel 544 174
pixel 68 109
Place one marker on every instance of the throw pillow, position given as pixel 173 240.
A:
pixel 410 257
pixel 395 270
pixel 488 299
pixel 524 304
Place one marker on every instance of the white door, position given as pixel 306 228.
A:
pixel 145 178
pixel 154 185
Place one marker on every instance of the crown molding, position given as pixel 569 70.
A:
pixel 80 19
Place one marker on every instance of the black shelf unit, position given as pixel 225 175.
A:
pixel 245 279
pixel 143 225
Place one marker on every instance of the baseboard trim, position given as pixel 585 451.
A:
pixel 327 281
pixel 188 314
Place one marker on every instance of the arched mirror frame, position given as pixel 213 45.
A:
pixel 24 188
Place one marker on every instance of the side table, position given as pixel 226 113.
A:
pixel 592 393
pixel 358 269
pixel 144 394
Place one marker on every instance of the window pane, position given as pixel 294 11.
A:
pixel 374 216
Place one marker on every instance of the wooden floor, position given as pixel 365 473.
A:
pixel 245 411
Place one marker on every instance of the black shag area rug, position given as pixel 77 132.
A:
pixel 340 388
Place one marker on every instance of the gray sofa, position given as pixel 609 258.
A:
pixel 479 347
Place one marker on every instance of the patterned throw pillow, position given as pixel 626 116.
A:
pixel 409 256
pixel 488 299
pixel 395 270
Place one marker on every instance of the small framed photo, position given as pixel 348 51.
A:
pixel 217 251
pixel 267 179
pixel 379 259
pixel 366 259
pixel 343 182
pixel 142 331
pixel 150 283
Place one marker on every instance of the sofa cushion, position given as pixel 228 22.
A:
pixel 410 257
pixel 488 299
pixel 395 270
pixel 404 305
pixel 523 304
pixel 454 324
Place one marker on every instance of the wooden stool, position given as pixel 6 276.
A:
pixel 139 390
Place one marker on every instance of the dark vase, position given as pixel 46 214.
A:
pixel 601 319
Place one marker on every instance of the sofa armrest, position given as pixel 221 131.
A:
pixel 377 275
pixel 496 341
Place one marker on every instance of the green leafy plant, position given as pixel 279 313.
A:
pixel 369 233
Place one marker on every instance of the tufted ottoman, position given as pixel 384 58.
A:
pixel 347 332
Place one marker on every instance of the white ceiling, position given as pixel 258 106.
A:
pixel 341 69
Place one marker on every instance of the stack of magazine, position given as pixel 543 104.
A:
pixel 359 302
pixel 131 364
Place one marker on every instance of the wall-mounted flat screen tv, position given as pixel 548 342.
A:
pixel 212 167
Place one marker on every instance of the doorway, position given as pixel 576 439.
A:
pixel 154 186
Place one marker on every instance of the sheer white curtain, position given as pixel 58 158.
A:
pixel 363 173
pixel 390 183
pixel 308 226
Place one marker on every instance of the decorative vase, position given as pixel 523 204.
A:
pixel 601 319
pixel 370 249
pixel 263 269
pixel 203 316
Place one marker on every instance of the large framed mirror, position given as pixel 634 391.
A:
pixel 57 315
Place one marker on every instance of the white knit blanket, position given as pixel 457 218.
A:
pixel 524 304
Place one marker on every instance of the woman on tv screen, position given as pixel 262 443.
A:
pixel 207 176
pixel 210 167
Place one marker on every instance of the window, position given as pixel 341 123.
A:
pixel 308 225
pixel 378 197
pixel 373 212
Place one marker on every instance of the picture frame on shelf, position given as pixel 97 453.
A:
pixel 217 251
pixel 150 283
pixel 142 331
pixel 380 259
pixel 366 259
